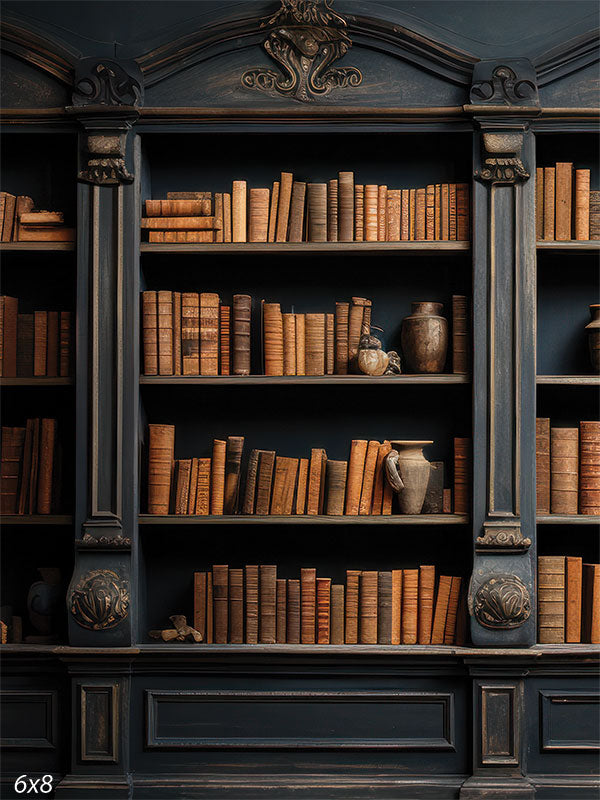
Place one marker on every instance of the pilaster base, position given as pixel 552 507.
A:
pixel 80 787
pixel 482 787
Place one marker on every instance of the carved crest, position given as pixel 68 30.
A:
pixel 100 600
pixel 105 83
pixel 502 539
pixel 501 84
pixel 306 37
pixel 502 601
pixel 503 164
pixel 105 160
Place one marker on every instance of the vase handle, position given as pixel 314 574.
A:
pixel 391 471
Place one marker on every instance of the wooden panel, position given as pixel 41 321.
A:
pixel 300 720
pixel 99 722
pixel 28 720
pixel 569 720
pixel 499 725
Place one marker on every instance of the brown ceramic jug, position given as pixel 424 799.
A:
pixel 424 338
pixel 407 471
pixel 593 331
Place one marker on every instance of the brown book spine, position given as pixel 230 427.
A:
pixel 542 465
pixel 315 344
pixel 300 339
pixel 281 611
pixel 161 449
pixel 266 465
pixel 53 345
pixel 25 472
pixel 323 610
pixel 564 191
pixel 462 473
pixel 336 487
pixel 25 337
pixel 316 201
pixel 301 489
pixel 217 477
pixel 463 214
pixel 242 307
pixel 273 212
pixel 182 485
pixel 203 487
pixel 564 469
pixel 40 342
pixel 173 224
pixel 444 213
pixel 33 473
pixel 441 609
pixel 460 335
pixel 430 212
pixel 332 210
pixel 573 582
pixel 594 215
pixel 316 479
pixel 396 606
pixel 420 214
pixel 233 467
pixel 238 211
pixel 193 493
pixel 283 211
pixel 384 607
pixel 329 344
pixel 236 606
pixel 220 583
pixel 539 203
pixel 210 617
pixel 225 339
pixel 438 212
pixel 549 202
pixel 345 206
pixel 227 218
pixel 258 227
pixel 370 212
pixel 453 599
pixel 551 599
pixel 589 467
pixel 297 206
pixel 251 604
pixel 452 211
pixel 355 322
pixel 394 202
pixel 405 215
pixel 410 600
pixel 9 216
pixel 175 208
pixel 46 466
pixel 284 482
pixel 425 603
pixel 289 344
pixel 190 333
pixel 13 440
pixel 150 332
pixel 165 332
pixel 359 213
pixel 293 612
pixel 356 468
pixel 337 614
pixel 381 213
pixel 447 501
pixel 209 333
pixel 177 362
pixel 308 601
pixel 367 607
pixel 351 612
pixel 47 234
pixel 250 489
pixel 380 481
pixel 341 338
pixel 582 204
pixel 273 338
pixel 366 495
pixel 591 604
pixel 65 343
pixel 200 603
pixel 219 218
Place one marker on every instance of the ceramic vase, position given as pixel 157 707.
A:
pixel 424 338
pixel 593 331
pixel 407 471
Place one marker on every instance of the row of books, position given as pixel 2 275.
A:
pixel 20 223
pixel 33 345
pixel 295 211
pixel 567 468
pixel 565 208
pixel 251 605
pixel 30 468
pixel 280 485
pixel 568 600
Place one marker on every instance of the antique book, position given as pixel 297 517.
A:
pixel 302 486
pixel 564 469
pixel 563 192
pixel 251 604
pixel 300 344
pixel 150 332
pixel 238 211
pixel 332 210
pixel 433 503
pixel 289 344
pixel 412 213
pixel 219 217
pixel 204 197
pixel 356 468
pixel 190 333
pixel 53 344
pixel 396 606
pixel 227 218
pixel 430 212
pixel 175 208
pixel 589 467
pixel 381 213
pixel 345 206
pixel 380 480
pixel 193 237
pixel 444 218
pixel 316 208
pixel 225 340
pixel 284 483
pixel 452 232
pixel 176 333
pixel 462 471
pixel 367 607
pixel 370 212
pixel 266 465
pixel 200 603
pixel 65 344
pixel 359 212
pixel 45 234
pixel 420 214
pixel 329 344
pixel 315 344
pixel 441 609
pixel 308 600
pixel 233 467
pixel 405 215
pixel 210 616
pixel 549 203
pixel 203 487
pixel 183 469
pixel 220 586
pixel 316 481
pixel 335 487
pixel 258 226
pixel 273 338
pixel 250 488
pixel 351 611
pixel 447 501
pixel 292 635
pixel 26 460
pixel 539 203
pixel 34 470
pixel 193 493
pixel 591 604
pixel 594 215
pixel 410 603
pixel 161 448
pixel 384 607
pixel 171 223
pixel 283 210
pixel 437 211
pixel 23 205
pixel 209 333
pixel 9 216
pixel 542 465
pixel 573 588
pixel 47 455
pixel 236 606
pixel 582 204
pixel 551 599
pixel 425 603
pixel 453 599
pixel 341 337
pixel 24 345
pixel 11 451
pixel 323 610
pixel 273 212
pixel 40 342
pixel 40 218
pixel 165 332
pixel 297 204
pixel 463 215
pixel 217 477
pixel 242 306
pixel 392 233
pixel 355 322
pixel 460 335
pixel 281 611
pixel 337 614
pixel 366 495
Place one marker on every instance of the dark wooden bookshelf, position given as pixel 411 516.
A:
pixel 568 380
pixel 36 247
pixel 310 248
pixel 295 380
pixel 36 519
pixel 37 381
pixel 394 519
pixel 569 247
pixel 568 519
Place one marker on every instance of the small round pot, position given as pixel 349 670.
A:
pixel 424 338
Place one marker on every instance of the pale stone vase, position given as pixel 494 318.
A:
pixel 407 471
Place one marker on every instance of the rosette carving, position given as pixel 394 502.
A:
pixel 100 600
pixel 502 601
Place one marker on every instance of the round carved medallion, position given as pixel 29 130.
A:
pixel 502 601
pixel 100 600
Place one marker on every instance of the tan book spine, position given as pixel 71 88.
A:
pixel 283 211
pixel 273 338
pixel 425 603
pixel 297 206
pixel 370 212
pixel 182 473
pixel 172 224
pixel 336 487
pixel 337 613
pixel 227 221
pixel 242 316
pixel 225 340
pixel 582 204
pixel 40 343
pixel 251 603
pixel 46 234
pixel 366 495
pixel 177 361
pixel 219 217
pixel 330 344
pixel 203 487
pixel 430 212
pixel 420 214
pixel 437 212
pixel 594 215
pixel 165 332
pixel 156 237
pixel 281 611
pixel 453 599
pixel 452 211
pixel 564 469
pixel 300 344
pixel 355 323
pixel 412 205
pixel 351 612
pixel 302 486
pixel 316 194
pixel 323 610
pixel 315 344
pixel 190 333
pixel 589 467
pixel 161 450
pixel 238 211
pixel 259 215
pixel 38 218
pixel 345 206
pixel 574 585
pixel 549 202
pixel 394 203
pixel 341 338
pixel 316 477
pixel 564 191
pixel 388 494
pixel 551 599
pixel 367 607
pixel 384 607
pixel 382 213
pixel 308 601
pixel 356 468
pixel 444 212
pixel 359 212
pixel 539 203
pixel 209 333
pixel 284 482
pixel 380 480
pixel 396 606
pixel 217 477
pixel 332 210
pixel 293 612
pixel 204 197
pixel 200 603
pixel 462 473
pixel 591 604
pixel 289 344
pixel 273 212
pixel 266 466
pixel 441 609
pixel 23 204
pixel 460 335
pixel 220 582
pixel 405 215
pixel 463 213
pixel 233 468
pixel 542 465
pixel 176 208
pixel 447 501
pixel 193 490
pixel 267 609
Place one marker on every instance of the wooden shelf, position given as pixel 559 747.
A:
pixel 6 382
pixel 27 247
pixel 569 380
pixel 396 519
pixel 309 248
pixel 572 246
pixel 36 519
pixel 567 519
pixel 295 380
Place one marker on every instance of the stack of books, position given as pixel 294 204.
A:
pixel 565 208
pixel 33 345
pixel 30 468
pixel 568 600
pixel 20 223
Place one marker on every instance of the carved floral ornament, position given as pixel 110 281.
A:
pixel 100 600
pixel 306 37
pixel 502 601
pixel 504 87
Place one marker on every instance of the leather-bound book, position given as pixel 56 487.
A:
pixel 591 604
pixel 177 365
pixel 25 471
pixel 380 481
pixel 193 493
pixel 233 468
pixel 225 340
pixel 273 338
pixel 284 483
pixel 366 495
pixel 367 607
pixel 23 205
pixel 289 344
pixel 370 212
pixel 182 485
pixel 542 465
pixel 9 216
pixel 323 610
pixel 227 218
pixel 281 611
pixel 549 202
pixel 292 635
pixel 150 332
pixel 300 344
pixel 251 603
pixel 188 207
pixel 13 440
pixel 447 501
pixel 396 606
pixel 250 488
pixel 238 211
pixel 594 215
pixel 283 211
pixel 589 467
pixel 551 599
pixel 425 603
pixel 308 602
pixel 302 486
pixel 564 469
pixel 161 449
pixel 40 343
pixel 258 228
pixel 384 607
pixel 434 496
pixel 242 307
pixel 273 212
pixel 209 333
pixel 420 214
pixel 345 206
pixel 341 338
pixel 539 203
pixel 336 487
pixel 53 343
pixel 45 233
pixel 332 210
pixel 297 206
pixel 463 213
pixel 220 581
pixel 24 345
pixel 355 322
pixel 316 481
pixel 452 212
pixel 359 212
pixel 573 586
pixel 430 212
pixel 315 344
pixel 329 344
pixel 34 470
pixel 200 603
pixel 405 215
pixel 203 487
pixel 165 332
pixel 266 465
pixel 351 611
pixel 9 308
pixel 460 335
pixel 412 215
pixel 190 333
pixel 210 616
pixel 356 468
pixel 217 477
pixel 394 201
pixel 337 614
pixel 316 202
pixel 582 204
pixel 441 609
pixel 444 213
pixel 382 213
pixel 219 217
pixel 564 191
pixel 450 627
pixel 48 445
pixel 236 606
pixel 462 472
pixel 173 224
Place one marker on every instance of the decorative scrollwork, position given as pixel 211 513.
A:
pixel 306 38
pixel 100 600
pixel 502 601
pixel 106 541
pixel 504 87
pixel 503 170
pixel 106 83
pixel 501 538
pixel 105 161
